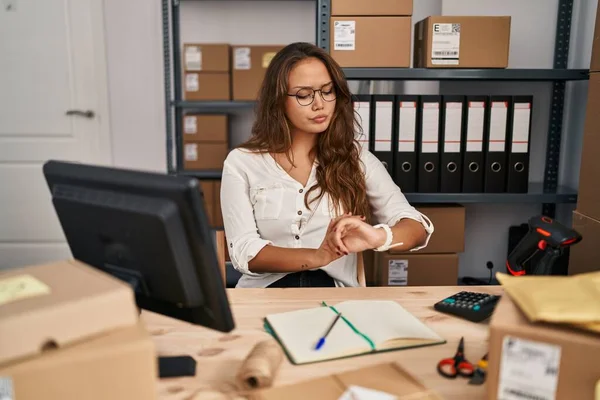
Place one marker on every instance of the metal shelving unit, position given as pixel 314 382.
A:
pixel 548 193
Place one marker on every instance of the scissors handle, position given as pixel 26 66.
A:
pixel 449 368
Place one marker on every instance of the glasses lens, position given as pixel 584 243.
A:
pixel 305 96
pixel 328 93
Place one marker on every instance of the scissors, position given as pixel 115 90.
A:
pixel 457 365
pixel 480 372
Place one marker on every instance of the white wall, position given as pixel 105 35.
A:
pixel 133 36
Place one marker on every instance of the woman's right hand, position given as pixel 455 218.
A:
pixel 327 252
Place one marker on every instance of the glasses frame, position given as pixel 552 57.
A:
pixel 314 94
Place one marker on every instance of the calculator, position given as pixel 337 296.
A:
pixel 472 306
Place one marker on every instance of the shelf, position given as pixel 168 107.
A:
pixel 215 106
pixel 433 74
pixel 535 195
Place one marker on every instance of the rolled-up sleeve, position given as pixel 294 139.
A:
pixel 388 203
pixel 243 240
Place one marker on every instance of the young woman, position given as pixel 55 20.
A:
pixel 299 198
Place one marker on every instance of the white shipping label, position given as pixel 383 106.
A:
pixel 430 135
pixel 453 127
pixel 475 126
pixel 498 126
pixel 193 58
pixel 445 44
pixel 528 370
pixel 191 83
pixel 398 273
pixel 6 388
pixel 191 152
pixel 521 118
pixel 383 126
pixel 190 126
pixel 241 58
pixel 363 108
pixel 344 35
pixel 408 126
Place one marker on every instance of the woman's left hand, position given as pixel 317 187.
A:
pixel 353 235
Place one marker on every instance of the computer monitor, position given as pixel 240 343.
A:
pixel 149 230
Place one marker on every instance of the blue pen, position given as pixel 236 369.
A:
pixel 321 341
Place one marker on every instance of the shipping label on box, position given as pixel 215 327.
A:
pixel 193 58
pixel 191 152
pixel 192 83
pixel 398 273
pixel 190 126
pixel 344 35
pixel 241 58
pixel 445 46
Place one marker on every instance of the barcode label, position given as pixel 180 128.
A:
pixel 344 35
pixel 398 273
pixel 441 53
pixel 344 45
pixel 6 388
pixel 445 44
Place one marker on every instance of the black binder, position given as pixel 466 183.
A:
pixel 473 140
pixel 385 113
pixel 363 107
pixel 428 156
pixel 406 152
pixel 495 157
pixel 518 152
pixel 450 144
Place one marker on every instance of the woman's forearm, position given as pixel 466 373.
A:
pixel 280 259
pixel 410 232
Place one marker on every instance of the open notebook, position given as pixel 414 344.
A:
pixel 366 326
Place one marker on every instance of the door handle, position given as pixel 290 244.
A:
pixel 81 113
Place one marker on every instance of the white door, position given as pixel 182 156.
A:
pixel 52 61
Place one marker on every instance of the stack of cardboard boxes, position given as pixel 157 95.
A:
pixel 585 256
pixel 205 141
pixel 434 265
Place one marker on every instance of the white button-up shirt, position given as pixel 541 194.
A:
pixel 262 204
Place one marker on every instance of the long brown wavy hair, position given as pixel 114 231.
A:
pixel 339 170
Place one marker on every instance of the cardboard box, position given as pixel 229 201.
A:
pixel 379 7
pixel 585 255
pixel 541 361
pixel 249 66
pixel 206 86
pixel 206 57
pixel 204 128
pixel 212 202
pixel 204 155
pixel 595 60
pixel 449 229
pixel 57 304
pixel 588 199
pixel 417 269
pixel 462 42
pixel 387 378
pixel 218 221
pixel 371 41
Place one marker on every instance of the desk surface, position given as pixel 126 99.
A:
pixel 219 355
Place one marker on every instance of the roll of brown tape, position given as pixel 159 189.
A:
pixel 260 367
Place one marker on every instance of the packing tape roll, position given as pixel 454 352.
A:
pixel 260 366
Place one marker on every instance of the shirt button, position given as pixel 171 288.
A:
pixel 301 190
pixel 297 237
pixel 299 212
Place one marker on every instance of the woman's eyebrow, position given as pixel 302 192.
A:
pixel 310 87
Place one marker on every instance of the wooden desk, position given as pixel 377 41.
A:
pixel 219 355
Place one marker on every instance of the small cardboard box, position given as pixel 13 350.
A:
pixel 449 229
pixel 364 7
pixel 588 199
pixel 595 61
pixel 539 361
pixel 371 41
pixel 69 331
pixel 206 86
pixel 585 255
pixel 462 42
pixel 249 66
pixel 416 269
pixel 204 155
pixel 390 379
pixel 204 128
pixel 206 57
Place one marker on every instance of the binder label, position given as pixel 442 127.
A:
pixel 498 126
pixel 383 126
pixel 398 273
pixel 344 35
pixel 475 126
pixel 363 108
pixel 407 128
pixel 521 118
pixel 453 127
pixel 431 128
pixel 445 45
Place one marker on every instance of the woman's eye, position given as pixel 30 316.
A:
pixel 303 96
pixel 328 91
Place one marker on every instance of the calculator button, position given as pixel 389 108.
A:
pixel 477 307
pixel 450 301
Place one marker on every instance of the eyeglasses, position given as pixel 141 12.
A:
pixel 306 96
